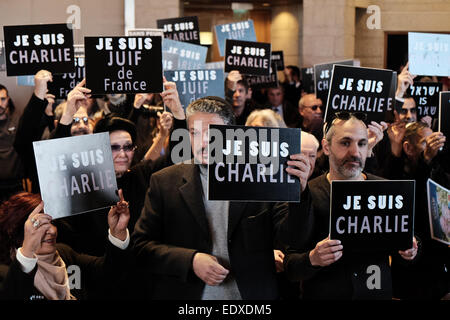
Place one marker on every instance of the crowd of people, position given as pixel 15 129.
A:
pixel 165 240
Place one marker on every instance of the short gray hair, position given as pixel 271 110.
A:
pixel 305 135
pixel 214 105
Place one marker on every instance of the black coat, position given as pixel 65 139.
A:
pixel 173 227
pixel 308 224
pixel 99 276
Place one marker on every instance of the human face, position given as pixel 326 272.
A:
pixel 121 158
pixel 347 150
pixel 275 96
pixel 409 111
pixel 257 122
pixel 240 96
pixel 48 242
pixel 4 99
pixel 81 126
pixel 309 149
pixel 311 110
pixel 198 130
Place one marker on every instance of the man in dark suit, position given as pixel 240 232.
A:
pixel 201 249
pixel 278 103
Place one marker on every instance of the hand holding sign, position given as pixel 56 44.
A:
pixel 41 78
pixel 375 133
pixel 326 252
pixel 75 99
pixel 165 123
pixel 434 142
pixel 118 217
pixel 36 226
pixel 410 254
pixel 172 100
pixel 139 99
pixel 404 80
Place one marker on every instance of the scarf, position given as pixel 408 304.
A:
pixel 51 277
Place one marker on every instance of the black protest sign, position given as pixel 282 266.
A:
pixel 249 163
pixel 259 82
pixel 183 29
pixel 278 59
pixel 426 96
pixel 76 174
pixel 31 48
pixel 372 215
pixel 247 57
pixel 62 84
pixel 307 77
pixel 357 89
pixel 195 84
pixel 444 114
pixel 123 64
pixel 322 78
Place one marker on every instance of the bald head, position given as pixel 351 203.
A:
pixel 309 107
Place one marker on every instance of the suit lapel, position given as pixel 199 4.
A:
pixel 235 215
pixel 191 192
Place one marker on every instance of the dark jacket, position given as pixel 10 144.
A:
pixel 308 224
pixel 173 227
pixel 31 127
pixel 99 275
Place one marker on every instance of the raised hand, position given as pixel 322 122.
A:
pixel 375 133
pixel 165 123
pixel 301 168
pixel 118 217
pixel 37 224
pixel 172 100
pixel 41 79
pixel 396 132
pixel 434 142
pixel 140 98
pixel 75 99
pixel 410 254
pixel 404 80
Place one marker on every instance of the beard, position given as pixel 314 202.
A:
pixel 347 170
pixel 80 131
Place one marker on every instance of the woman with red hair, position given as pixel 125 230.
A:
pixel 35 266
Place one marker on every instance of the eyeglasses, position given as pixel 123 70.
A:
pixel 125 148
pixel 404 111
pixel 344 115
pixel 313 108
pixel 78 119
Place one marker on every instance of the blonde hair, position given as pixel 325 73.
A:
pixel 269 117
